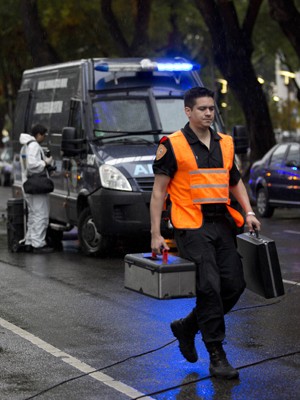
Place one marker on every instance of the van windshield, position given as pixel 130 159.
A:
pixel 114 117
pixel 171 114
pixel 122 115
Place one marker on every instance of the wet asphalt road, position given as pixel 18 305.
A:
pixel 64 315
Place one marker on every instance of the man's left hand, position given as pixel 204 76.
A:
pixel 253 223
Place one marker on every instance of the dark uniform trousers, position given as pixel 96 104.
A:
pixel 219 275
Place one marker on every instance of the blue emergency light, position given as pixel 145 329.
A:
pixel 175 67
pixel 147 65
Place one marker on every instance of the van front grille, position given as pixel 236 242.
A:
pixel 145 184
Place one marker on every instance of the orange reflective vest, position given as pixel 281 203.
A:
pixel 192 186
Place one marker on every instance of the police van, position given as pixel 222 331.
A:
pixel 105 118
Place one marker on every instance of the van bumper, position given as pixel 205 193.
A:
pixel 119 213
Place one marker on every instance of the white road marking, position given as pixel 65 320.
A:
pixel 293 232
pixel 74 362
pixel 291 282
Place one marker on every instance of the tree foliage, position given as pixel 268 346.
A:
pixel 229 38
pixel 232 51
pixel 288 17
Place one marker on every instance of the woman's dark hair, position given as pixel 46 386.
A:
pixel 38 129
pixel 194 93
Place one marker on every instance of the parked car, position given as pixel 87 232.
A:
pixel 275 179
pixel 6 158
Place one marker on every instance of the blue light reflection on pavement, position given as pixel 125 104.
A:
pixel 250 338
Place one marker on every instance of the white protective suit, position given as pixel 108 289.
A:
pixel 33 161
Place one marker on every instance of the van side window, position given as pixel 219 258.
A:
pixel 21 113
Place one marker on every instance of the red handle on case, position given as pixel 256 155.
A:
pixel 164 255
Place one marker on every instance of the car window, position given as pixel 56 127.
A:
pixel 294 154
pixel 278 155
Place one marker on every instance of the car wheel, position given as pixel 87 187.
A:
pixel 91 241
pixel 263 207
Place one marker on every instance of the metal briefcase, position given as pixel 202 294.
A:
pixel 261 265
pixel 173 277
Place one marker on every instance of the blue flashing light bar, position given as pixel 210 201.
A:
pixel 102 67
pixel 175 67
pixel 147 65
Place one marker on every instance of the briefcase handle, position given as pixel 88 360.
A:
pixel 256 234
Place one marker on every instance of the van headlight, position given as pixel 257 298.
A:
pixel 112 178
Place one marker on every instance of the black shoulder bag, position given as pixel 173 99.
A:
pixel 38 183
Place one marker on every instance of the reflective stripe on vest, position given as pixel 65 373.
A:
pixel 205 186
pixel 209 185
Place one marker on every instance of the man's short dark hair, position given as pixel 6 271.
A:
pixel 38 128
pixel 194 93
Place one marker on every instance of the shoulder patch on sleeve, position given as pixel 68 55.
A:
pixel 161 151
pixel 163 139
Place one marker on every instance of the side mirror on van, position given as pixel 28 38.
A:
pixel 70 145
pixel 240 139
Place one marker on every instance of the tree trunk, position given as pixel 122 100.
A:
pixel 41 51
pixel 139 45
pixel 114 28
pixel 232 49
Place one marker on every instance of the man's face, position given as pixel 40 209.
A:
pixel 203 112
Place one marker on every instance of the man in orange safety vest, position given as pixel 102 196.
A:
pixel 195 166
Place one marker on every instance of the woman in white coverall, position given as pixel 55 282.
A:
pixel 34 161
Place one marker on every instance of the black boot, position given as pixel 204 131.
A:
pixel 219 366
pixel 185 330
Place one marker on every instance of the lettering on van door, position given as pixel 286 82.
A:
pixel 49 107
pixel 52 84
pixel 143 169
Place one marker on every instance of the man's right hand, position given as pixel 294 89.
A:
pixel 158 244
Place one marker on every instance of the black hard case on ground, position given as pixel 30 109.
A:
pixel 16 218
pixel 261 265
pixel 162 280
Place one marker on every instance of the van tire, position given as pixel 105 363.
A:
pixel 92 243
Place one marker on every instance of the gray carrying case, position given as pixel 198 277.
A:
pixel 154 277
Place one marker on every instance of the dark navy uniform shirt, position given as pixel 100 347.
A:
pixel 206 158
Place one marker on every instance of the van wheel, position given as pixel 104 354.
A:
pixel 91 241
pixel 263 207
